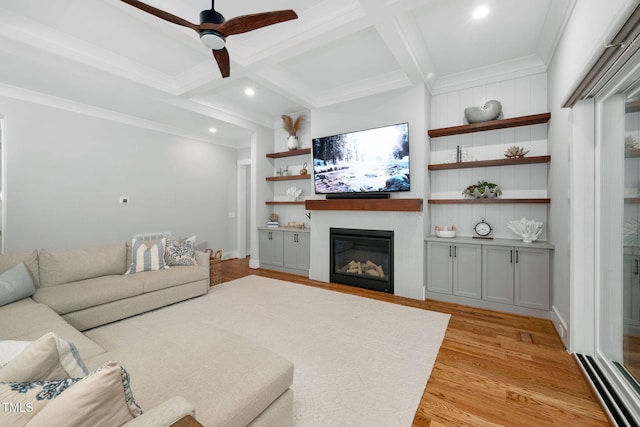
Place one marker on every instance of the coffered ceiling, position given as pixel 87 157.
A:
pixel 114 60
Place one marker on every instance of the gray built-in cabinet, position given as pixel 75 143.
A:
pixel 499 274
pixel 455 269
pixel 287 250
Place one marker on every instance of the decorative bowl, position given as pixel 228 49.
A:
pixel 446 231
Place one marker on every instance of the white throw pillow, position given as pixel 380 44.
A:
pixel 146 256
pixel 47 358
pixel 103 395
pixel 10 349
pixel 21 401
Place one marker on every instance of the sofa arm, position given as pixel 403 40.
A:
pixel 164 414
pixel 202 258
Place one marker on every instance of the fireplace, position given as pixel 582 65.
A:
pixel 362 258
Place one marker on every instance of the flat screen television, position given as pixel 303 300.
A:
pixel 367 161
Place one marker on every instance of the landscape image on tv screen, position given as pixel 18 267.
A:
pixel 374 160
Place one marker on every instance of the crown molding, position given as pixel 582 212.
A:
pixel 39 98
pixel 508 70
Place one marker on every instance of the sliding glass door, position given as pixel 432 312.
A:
pixel 617 234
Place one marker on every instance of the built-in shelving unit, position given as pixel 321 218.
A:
pixel 491 125
pixel 283 154
pixel 488 163
pixel 529 120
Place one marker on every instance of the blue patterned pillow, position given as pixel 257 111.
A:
pixel 147 256
pixel 23 400
pixel 180 253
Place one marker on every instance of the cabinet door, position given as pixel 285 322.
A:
pixel 467 271
pixel 439 267
pixel 271 247
pixel 497 273
pixel 297 250
pixel 532 278
pixel 303 260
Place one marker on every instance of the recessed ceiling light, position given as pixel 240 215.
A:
pixel 213 130
pixel 480 12
pixel 249 91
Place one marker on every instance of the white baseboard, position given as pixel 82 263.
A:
pixel 561 327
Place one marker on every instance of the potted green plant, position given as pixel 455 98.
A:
pixel 482 190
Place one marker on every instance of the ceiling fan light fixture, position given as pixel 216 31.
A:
pixel 213 39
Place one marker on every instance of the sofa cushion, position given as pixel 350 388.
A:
pixel 47 358
pixel 28 322
pixel 174 276
pixel 229 379
pixel 16 284
pixel 30 259
pixel 71 265
pixel 83 294
pixel 102 395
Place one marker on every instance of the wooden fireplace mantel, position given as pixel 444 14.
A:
pixel 399 205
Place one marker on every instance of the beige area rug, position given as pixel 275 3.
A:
pixel 358 362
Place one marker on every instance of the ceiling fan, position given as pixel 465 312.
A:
pixel 214 28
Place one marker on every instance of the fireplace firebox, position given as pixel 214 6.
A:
pixel 362 258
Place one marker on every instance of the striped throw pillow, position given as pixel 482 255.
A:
pixel 146 256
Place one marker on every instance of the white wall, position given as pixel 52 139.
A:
pixel 591 25
pixel 406 105
pixel 66 172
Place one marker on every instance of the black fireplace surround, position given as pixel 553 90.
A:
pixel 362 258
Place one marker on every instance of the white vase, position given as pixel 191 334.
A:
pixel 292 142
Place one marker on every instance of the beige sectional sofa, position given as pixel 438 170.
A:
pixel 227 380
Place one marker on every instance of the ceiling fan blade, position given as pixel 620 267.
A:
pixel 161 14
pixel 246 23
pixel 222 58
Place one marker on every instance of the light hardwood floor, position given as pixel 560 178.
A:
pixel 492 369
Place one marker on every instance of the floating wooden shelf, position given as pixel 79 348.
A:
pixel 399 205
pixel 631 152
pixel 487 201
pixel 486 163
pixel 284 203
pixel 632 200
pixel 534 119
pixel 287 178
pixel 290 153
pixel 632 107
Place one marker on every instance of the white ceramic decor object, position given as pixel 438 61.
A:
pixel 490 111
pixel 294 193
pixel 528 230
